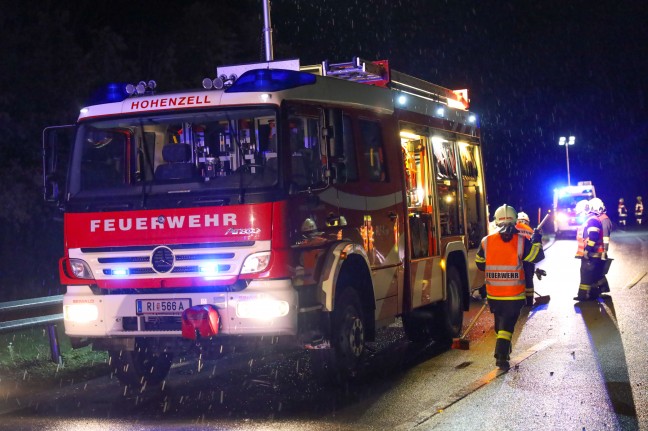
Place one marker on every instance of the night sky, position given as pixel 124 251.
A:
pixel 535 70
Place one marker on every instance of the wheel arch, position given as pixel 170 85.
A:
pixel 347 265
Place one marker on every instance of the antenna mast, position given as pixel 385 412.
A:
pixel 267 31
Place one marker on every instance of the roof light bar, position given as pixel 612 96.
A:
pixel 268 80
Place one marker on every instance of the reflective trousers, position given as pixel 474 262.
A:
pixel 506 316
pixel 591 272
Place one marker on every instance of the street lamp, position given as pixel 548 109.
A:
pixel 567 143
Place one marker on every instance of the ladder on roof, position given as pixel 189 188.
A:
pixel 358 70
pixel 378 73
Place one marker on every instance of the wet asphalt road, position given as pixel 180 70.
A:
pixel 577 366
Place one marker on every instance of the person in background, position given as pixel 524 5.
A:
pixel 639 210
pixel 501 255
pixel 623 212
pixel 524 229
pixel 598 207
pixel 590 251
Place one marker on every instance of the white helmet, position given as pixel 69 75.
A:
pixel 582 207
pixel 523 217
pixel 505 215
pixel 596 206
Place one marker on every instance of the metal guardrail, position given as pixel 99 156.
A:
pixel 31 313
pixel 28 313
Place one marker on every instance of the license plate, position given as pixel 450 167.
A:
pixel 162 306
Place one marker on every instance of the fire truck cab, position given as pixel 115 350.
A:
pixel 308 204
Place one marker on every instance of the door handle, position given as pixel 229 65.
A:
pixel 392 215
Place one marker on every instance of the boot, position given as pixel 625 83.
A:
pixel 502 362
pixel 529 301
pixel 594 293
pixel 502 351
pixel 583 295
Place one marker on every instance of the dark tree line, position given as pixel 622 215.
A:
pixel 55 55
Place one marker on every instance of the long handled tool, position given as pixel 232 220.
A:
pixel 462 343
pixel 541 300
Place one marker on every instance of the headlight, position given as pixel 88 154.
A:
pixel 561 216
pixel 80 269
pixel 80 313
pixel 256 262
pixel 262 308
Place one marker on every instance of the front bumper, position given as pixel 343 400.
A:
pixel 267 307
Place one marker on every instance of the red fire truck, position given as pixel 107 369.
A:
pixel 308 204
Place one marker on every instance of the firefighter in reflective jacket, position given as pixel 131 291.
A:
pixel 590 251
pixel 525 230
pixel 501 255
pixel 597 206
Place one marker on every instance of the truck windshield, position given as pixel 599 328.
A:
pixel 224 150
pixel 569 202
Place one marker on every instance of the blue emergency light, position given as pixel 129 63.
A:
pixel 262 80
pixel 109 93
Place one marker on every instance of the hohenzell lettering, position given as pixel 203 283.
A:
pixel 168 102
pixel 502 275
pixel 152 223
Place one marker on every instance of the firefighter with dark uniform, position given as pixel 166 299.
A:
pixel 590 252
pixel 525 230
pixel 500 256
pixel 622 212
pixel 597 206
pixel 639 210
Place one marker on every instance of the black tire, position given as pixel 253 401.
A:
pixel 348 327
pixel 449 315
pixel 419 324
pixel 140 366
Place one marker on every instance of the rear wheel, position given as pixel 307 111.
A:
pixel 449 315
pixel 141 366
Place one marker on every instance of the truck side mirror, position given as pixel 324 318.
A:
pixel 57 142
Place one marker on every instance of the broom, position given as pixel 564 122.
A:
pixel 462 343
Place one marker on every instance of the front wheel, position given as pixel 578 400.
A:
pixel 140 366
pixel 348 336
pixel 342 361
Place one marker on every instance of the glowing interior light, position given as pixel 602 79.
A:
pixel 402 99
pixel 409 135
pixel 448 199
pixel 420 194
pixel 440 112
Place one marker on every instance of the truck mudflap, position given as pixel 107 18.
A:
pixel 200 321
